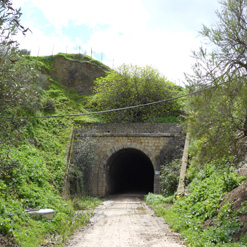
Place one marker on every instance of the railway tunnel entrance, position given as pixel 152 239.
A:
pixel 125 155
pixel 130 170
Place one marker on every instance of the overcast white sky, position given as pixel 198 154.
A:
pixel 161 33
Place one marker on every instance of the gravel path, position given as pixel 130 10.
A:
pixel 125 221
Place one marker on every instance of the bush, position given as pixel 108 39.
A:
pixel 132 85
pixel 169 158
pixel 189 213
pixel 169 177
pixel 79 171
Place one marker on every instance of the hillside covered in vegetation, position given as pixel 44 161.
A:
pixel 42 98
pixel 33 163
pixel 34 147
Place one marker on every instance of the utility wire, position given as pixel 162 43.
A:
pixel 106 111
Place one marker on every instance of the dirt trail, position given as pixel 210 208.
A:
pixel 125 221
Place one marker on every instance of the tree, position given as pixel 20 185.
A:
pixel 9 25
pixel 133 85
pixel 218 114
pixel 18 78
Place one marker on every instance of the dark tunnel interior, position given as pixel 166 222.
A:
pixel 130 171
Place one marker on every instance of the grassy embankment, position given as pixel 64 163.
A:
pixel 33 172
pixel 201 216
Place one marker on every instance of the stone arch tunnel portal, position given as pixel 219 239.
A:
pixel 130 170
pixel 126 155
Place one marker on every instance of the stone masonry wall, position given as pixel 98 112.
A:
pixel 111 138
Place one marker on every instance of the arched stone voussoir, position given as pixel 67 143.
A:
pixel 126 145
pixel 118 147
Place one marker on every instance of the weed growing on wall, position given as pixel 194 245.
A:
pixel 170 162
pixel 169 177
pixel 80 167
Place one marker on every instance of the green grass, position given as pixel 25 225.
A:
pixel 85 203
pixel 83 58
pixel 189 213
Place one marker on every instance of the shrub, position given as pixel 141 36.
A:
pixel 169 177
pixel 79 171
